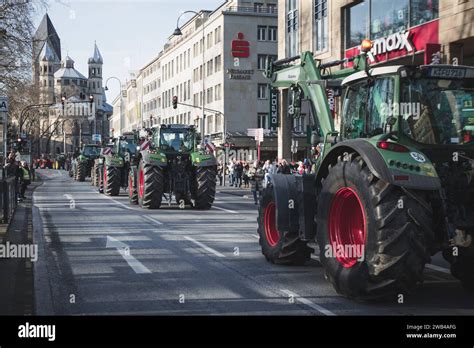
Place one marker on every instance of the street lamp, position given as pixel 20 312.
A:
pixel 121 98
pixel 177 32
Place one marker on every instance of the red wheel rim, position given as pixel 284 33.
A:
pixel 347 227
pixel 271 231
pixel 141 182
pixel 130 185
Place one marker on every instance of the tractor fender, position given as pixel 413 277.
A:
pixel 377 165
pixel 155 159
pixel 203 160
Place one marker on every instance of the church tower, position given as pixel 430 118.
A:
pixel 47 61
pixel 95 78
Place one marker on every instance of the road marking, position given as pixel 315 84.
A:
pixel 124 250
pixel 226 210
pixel 205 247
pixel 309 303
pixel 438 268
pixel 149 218
pixel 119 203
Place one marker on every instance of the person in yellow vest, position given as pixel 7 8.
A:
pixel 25 178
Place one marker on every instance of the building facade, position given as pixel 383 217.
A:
pixel 78 107
pixel 402 31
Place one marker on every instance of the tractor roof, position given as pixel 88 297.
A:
pixel 385 70
pixel 177 126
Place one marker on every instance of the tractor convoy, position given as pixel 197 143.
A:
pixel 392 186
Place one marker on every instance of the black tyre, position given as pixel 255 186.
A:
pixel 278 247
pixel 81 171
pixel 111 181
pixel 462 265
pixel 132 186
pixel 374 238
pixel 150 186
pixel 95 175
pixel 205 187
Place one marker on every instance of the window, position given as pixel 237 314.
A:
pixel 299 124
pixel 262 121
pixel 262 91
pixel 261 33
pixel 210 67
pixel 321 25
pixel 210 95
pixel 292 28
pixel 218 92
pixel 262 59
pixel 189 89
pixel 217 35
pixel 258 7
pixel 273 34
pixel 218 63
pixel 422 11
pixel 387 17
pixel 195 99
pixel 354 111
pixel 272 8
pixel 358 28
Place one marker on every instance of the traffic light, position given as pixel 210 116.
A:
pixel 175 102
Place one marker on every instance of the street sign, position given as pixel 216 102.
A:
pixel 96 137
pixel 274 108
pixel 3 104
pixel 257 133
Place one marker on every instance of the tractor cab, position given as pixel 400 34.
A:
pixel 91 151
pixel 176 138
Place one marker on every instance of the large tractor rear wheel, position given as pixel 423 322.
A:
pixel 279 247
pixel 81 171
pixel 205 187
pixel 374 237
pixel 111 180
pixel 132 186
pixel 150 186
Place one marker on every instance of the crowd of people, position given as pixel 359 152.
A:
pixel 243 174
pixel 22 172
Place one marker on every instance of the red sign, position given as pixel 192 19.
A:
pixel 432 53
pixel 401 44
pixel 240 47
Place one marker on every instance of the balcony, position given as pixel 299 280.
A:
pixel 272 10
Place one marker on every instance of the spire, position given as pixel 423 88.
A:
pixel 46 33
pixel 68 62
pixel 97 57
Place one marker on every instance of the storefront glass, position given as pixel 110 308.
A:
pixel 422 11
pixel 357 24
pixel 388 17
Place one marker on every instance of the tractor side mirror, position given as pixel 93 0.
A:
pixel 315 139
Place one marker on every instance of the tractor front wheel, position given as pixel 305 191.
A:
pixel 277 246
pixel 150 186
pixel 111 181
pixel 81 171
pixel 374 237
pixel 205 187
pixel 132 186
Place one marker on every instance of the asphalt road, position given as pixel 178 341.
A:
pixel 100 256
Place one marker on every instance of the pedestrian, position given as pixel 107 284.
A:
pixel 256 175
pixel 245 175
pixel 284 167
pixel 232 173
pixel 25 178
pixel 239 169
pixel 32 172
pixel 220 172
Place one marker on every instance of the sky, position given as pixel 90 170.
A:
pixel 129 33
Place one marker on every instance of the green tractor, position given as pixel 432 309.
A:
pixel 98 164
pixel 393 186
pixel 115 163
pixel 82 165
pixel 171 162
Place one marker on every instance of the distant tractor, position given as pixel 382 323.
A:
pixel 171 163
pixel 114 165
pixel 82 165
pixel 393 186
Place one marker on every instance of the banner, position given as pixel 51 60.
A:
pixel 274 108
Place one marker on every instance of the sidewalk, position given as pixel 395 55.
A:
pixel 16 276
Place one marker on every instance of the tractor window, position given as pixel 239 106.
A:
pixel 129 147
pixel 443 110
pixel 354 110
pixel 381 95
pixel 179 141
pixel 91 151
